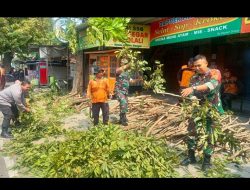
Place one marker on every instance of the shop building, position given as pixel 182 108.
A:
pixel 224 41
pixel 104 57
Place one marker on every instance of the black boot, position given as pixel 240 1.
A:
pixel 123 119
pixel 190 159
pixel 120 121
pixel 206 165
pixel 5 134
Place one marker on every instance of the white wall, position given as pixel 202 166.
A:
pixel 60 73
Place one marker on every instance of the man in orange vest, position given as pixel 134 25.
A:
pixel 98 91
pixel 185 73
pixel 2 77
pixel 230 88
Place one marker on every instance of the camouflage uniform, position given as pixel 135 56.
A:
pixel 213 81
pixel 121 92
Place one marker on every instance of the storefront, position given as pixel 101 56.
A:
pixel 92 55
pixel 37 72
pixel 105 60
pixel 51 61
pixel 224 41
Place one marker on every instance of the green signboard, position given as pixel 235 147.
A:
pixel 138 37
pixel 166 32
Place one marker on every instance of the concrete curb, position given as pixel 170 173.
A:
pixel 3 169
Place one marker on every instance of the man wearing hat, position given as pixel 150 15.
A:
pixel 98 91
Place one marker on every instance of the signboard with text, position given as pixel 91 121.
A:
pixel 179 29
pixel 139 36
pixel 245 28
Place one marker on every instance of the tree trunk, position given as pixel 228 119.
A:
pixel 7 61
pixel 78 78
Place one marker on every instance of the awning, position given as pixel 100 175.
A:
pixel 101 52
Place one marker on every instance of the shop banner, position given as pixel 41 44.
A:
pixel 139 36
pixel 180 29
pixel 245 27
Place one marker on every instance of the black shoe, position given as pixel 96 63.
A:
pixel 123 119
pixel 206 165
pixel 188 161
pixel 6 135
pixel 124 123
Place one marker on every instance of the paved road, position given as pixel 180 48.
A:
pixel 3 166
pixel 3 169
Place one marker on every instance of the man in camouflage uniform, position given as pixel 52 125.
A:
pixel 121 91
pixel 205 84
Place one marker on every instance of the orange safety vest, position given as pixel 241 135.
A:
pixel 186 76
pixel 231 88
pixel 98 90
pixel 2 80
pixel 184 67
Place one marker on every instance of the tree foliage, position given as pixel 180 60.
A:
pixel 67 33
pixel 71 36
pixel 207 121
pixel 46 150
pixel 17 33
pixel 134 58
pixel 102 29
pixel 155 81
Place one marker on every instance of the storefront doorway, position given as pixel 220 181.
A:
pixel 105 60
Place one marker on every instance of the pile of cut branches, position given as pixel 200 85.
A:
pixel 76 101
pixel 164 120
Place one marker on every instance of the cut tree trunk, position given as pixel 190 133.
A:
pixel 7 61
pixel 78 78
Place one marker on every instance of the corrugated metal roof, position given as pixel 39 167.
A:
pixel 134 20
pixel 144 20
pixel 105 51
